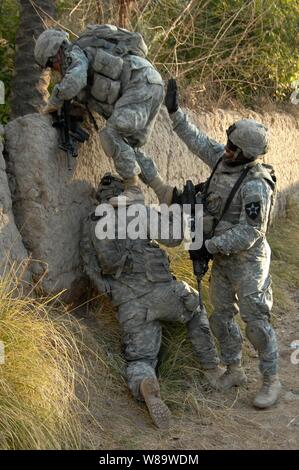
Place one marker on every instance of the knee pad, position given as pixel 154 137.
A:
pixel 108 140
pixel 128 120
pixel 259 334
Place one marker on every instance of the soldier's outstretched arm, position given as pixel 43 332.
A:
pixel 151 176
pixel 196 140
pixel 253 223
pixel 74 80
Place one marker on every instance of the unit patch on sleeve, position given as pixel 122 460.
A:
pixel 253 209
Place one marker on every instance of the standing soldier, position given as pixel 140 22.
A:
pixel 106 70
pixel 136 275
pixel 237 199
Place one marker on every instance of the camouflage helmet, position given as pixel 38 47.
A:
pixel 48 44
pixel 250 136
pixel 109 186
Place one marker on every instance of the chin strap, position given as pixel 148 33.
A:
pixel 239 159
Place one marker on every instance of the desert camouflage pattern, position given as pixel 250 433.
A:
pixel 240 279
pixel 127 91
pixel 136 275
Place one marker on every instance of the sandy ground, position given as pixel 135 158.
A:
pixel 214 420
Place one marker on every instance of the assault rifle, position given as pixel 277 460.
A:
pixel 71 131
pixel 200 258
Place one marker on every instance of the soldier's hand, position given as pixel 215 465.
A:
pixel 201 255
pixel 171 98
pixel 211 247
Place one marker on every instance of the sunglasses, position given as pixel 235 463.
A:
pixel 231 146
pixel 229 143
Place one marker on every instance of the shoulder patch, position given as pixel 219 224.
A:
pixel 253 209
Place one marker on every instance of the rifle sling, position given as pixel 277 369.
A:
pixel 231 196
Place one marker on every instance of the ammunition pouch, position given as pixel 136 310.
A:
pixel 107 64
pixel 104 89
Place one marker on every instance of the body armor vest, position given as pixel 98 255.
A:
pixel 120 256
pixel 219 188
pixel 112 65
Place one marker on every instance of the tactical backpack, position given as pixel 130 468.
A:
pixel 117 41
pixel 107 46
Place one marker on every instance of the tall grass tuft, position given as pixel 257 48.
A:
pixel 38 405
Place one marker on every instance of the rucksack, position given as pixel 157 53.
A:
pixel 117 41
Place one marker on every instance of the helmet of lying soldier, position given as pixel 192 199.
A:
pixel 109 186
pixel 249 136
pixel 48 44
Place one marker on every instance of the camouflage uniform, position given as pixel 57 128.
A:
pixel 127 92
pixel 240 279
pixel 136 275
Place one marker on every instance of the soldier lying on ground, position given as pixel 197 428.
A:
pixel 235 238
pixel 136 276
pixel 106 69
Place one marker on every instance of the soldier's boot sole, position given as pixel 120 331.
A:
pixel 158 411
pixel 231 379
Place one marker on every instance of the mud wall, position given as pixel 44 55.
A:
pixel 12 250
pixel 50 202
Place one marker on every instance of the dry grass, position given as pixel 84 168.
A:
pixel 284 241
pixel 38 404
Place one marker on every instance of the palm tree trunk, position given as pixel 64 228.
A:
pixel 29 85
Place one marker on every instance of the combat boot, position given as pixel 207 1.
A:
pixel 269 392
pixel 233 376
pixel 159 412
pixel 131 195
pixel 213 375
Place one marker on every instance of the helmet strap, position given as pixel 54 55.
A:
pixel 239 159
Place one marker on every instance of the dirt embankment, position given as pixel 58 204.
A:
pixel 49 201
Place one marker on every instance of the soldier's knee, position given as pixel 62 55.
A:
pixel 109 142
pixel 129 120
pixel 257 305
pixel 260 333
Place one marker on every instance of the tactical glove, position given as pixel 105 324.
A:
pixel 211 247
pixel 201 254
pixel 200 259
pixel 171 98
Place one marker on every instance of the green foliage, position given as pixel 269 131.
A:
pixel 239 49
pixel 9 20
